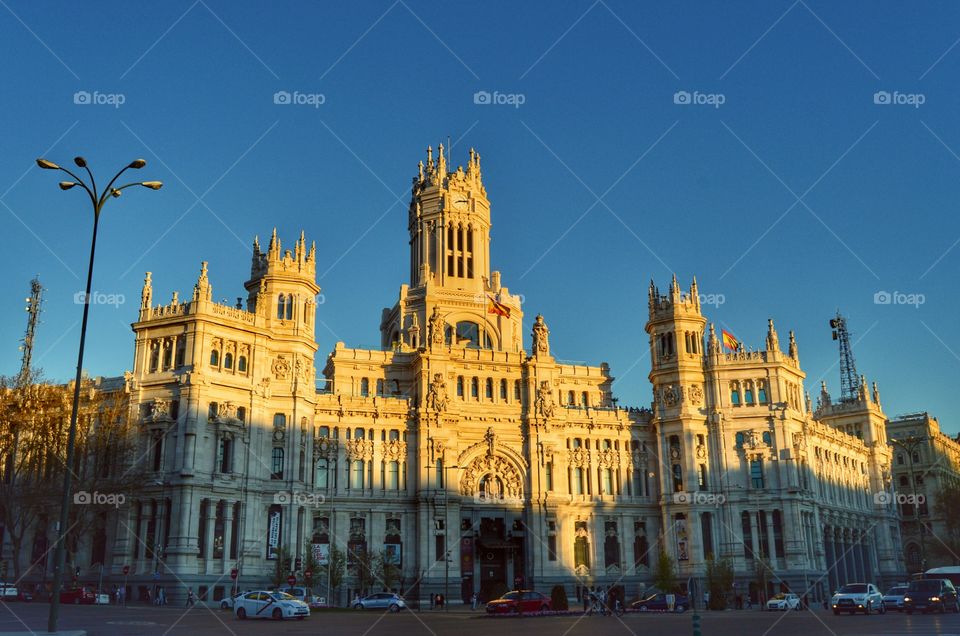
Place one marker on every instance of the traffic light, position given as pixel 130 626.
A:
pixel 286 564
pixel 299 564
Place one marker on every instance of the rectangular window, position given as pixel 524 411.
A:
pixel 440 548
pixel 578 481
pixel 277 472
pixel 756 473
pixel 608 481
pixel 549 475
pixel 393 476
pixel 356 475
pixel 552 547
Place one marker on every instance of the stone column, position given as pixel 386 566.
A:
pixel 830 559
pixel 146 512
pixel 773 546
pixel 754 534
pixel 211 517
pixel 227 533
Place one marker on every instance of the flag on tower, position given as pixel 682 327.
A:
pixel 729 341
pixel 496 307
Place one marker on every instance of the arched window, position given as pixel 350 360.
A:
pixel 475 388
pixel 281 306
pixel 358 433
pixel 289 306
pixel 767 439
pixel 516 390
pixel 228 360
pixel 740 438
pixel 242 413
pixel 468 334
pixel 762 391
pixel 379 387
pixel 677 478
pixel 748 393
pixel 460 386
pixel 503 390
pixel 242 364
pixel 735 393
pixel 900 459
pixel 488 389
pixel 167 354
pixel 570 399
pixel 214 358
pixel 364 387
pixel 584 402
pixel 279 420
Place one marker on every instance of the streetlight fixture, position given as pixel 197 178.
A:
pixel 910 444
pixel 97 199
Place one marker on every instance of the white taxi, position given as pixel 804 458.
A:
pixel 266 604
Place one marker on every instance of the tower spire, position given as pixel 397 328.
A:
pixel 773 340
pixel 793 351
pixel 146 294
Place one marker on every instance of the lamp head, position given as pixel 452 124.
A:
pixel 153 185
pixel 137 164
pixel 80 161
pixel 66 185
pixel 47 165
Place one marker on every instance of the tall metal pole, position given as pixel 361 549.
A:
pixel 62 530
pixel 97 199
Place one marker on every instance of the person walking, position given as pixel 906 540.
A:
pixel 162 597
pixel 473 602
pixel 190 598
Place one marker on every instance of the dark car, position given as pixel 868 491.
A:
pixel 658 603
pixel 519 601
pixel 930 595
pixel 78 596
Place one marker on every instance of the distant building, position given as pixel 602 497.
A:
pixel 934 460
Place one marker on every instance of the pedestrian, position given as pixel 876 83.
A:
pixel 473 602
pixel 162 597
pixel 586 599
pixel 706 600
pixel 190 599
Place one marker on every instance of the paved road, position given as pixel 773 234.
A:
pixel 151 621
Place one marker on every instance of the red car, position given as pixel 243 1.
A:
pixel 79 596
pixel 519 601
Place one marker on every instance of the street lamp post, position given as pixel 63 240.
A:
pixel 97 200
pixel 911 444
pixel 446 529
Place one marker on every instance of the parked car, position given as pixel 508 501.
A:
pixel 8 592
pixel 858 597
pixel 930 595
pixel 266 604
pixel 784 602
pixel 230 601
pixel 658 603
pixel 78 596
pixel 383 600
pixel 893 599
pixel 519 601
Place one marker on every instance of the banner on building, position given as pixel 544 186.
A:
pixel 321 553
pixel 273 533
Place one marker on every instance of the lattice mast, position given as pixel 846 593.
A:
pixel 33 317
pixel 849 378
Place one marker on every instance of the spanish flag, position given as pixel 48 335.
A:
pixel 496 307
pixel 729 341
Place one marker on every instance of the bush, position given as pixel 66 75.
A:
pixel 558 599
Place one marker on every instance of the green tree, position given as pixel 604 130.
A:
pixel 310 565
pixel 280 569
pixel 719 582
pixel 947 545
pixel 387 571
pixel 332 573
pixel 664 573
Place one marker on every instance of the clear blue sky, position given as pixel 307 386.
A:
pixel 688 188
